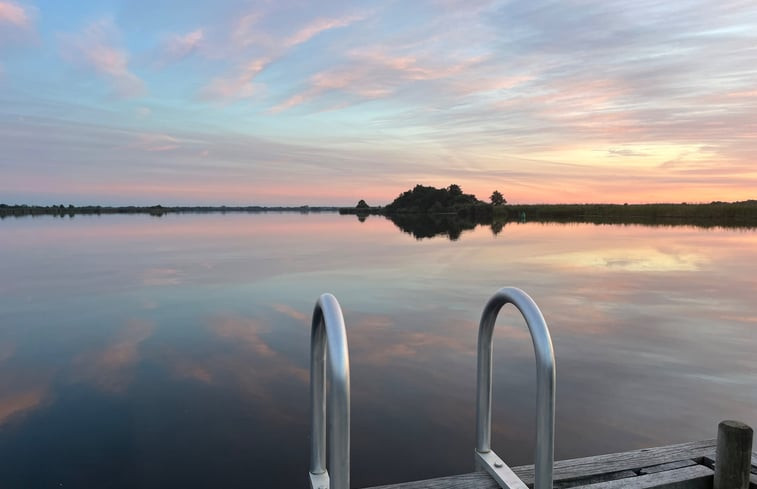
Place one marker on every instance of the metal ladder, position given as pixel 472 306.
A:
pixel 329 341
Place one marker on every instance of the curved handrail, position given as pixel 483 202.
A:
pixel 545 381
pixel 328 335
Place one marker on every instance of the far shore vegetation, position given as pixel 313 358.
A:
pixel 426 211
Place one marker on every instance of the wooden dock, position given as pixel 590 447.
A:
pixel 682 466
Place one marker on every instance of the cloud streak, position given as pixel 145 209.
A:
pixel 248 33
pixel 95 48
pixel 180 46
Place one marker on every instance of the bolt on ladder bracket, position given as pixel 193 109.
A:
pixel 499 470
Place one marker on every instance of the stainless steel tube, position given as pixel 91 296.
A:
pixel 328 345
pixel 545 379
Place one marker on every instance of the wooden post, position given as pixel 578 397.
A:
pixel 733 455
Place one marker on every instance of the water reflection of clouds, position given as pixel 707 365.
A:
pixel 112 367
pixel 21 388
pixel 161 276
pixel 628 259
pixel 109 366
pixel 18 402
pixel 291 312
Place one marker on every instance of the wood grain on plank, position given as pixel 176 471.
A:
pixel 669 466
pixel 574 483
pixel 694 477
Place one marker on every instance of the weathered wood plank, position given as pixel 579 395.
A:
pixel 669 466
pixel 694 477
pixel 616 462
pixel 573 483
pixel 474 480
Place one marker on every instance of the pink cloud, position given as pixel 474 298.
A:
pixel 247 31
pixel 743 94
pixel 411 67
pixel 237 86
pixel 95 49
pixel 320 25
pixel 15 14
pixel 243 34
pixel 375 74
pixel 182 45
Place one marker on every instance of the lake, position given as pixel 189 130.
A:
pixel 151 352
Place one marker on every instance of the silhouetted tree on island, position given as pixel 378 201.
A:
pixel 362 205
pixel 455 190
pixel 497 198
pixel 422 199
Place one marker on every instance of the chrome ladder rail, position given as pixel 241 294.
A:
pixel 545 391
pixel 328 340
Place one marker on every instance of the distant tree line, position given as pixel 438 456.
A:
pixel 155 210
pixel 740 214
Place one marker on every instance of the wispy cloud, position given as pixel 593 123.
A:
pixel 154 142
pixel 180 46
pixel 245 30
pixel 237 86
pixel 318 26
pixel 625 152
pixel 247 34
pixel 96 48
pixel 373 73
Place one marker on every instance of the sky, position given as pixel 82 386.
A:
pixel 183 102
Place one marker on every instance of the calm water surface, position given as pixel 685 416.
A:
pixel 149 352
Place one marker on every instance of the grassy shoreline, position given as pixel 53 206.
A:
pixel 713 214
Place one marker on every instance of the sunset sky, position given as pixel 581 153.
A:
pixel 327 102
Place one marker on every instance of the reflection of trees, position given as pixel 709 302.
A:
pixel 497 227
pixel 429 225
